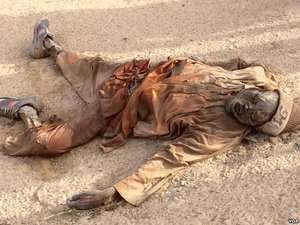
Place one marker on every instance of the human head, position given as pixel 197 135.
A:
pixel 253 106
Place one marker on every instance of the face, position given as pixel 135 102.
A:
pixel 253 106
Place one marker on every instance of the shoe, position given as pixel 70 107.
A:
pixel 9 107
pixel 40 32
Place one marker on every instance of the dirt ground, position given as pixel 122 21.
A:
pixel 258 183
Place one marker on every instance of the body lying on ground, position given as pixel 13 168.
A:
pixel 206 108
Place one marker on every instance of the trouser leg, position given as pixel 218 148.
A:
pixel 106 98
pixel 85 74
pixel 55 137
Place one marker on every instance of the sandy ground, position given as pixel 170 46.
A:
pixel 258 183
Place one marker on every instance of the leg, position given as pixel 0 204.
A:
pixel 84 73
pixel 26 109
pixel 55 137
pixel 52 48
pixel 29 116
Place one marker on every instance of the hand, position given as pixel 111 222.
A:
pixel 92 199
pixel 242 64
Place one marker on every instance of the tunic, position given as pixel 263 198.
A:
pixel 185 103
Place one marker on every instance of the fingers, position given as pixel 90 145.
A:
pixel 81 195
pixel 79 204
pixel 91 199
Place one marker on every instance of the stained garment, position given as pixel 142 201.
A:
pixel 178 99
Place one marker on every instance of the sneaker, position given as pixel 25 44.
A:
pixel 9 107
pixel 40 32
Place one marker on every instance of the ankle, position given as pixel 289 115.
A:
pixel 52 48
pixel 29 116
pixel 48 43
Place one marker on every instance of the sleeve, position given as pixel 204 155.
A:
pixel 195 144
pixel 232 64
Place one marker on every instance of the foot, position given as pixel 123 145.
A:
pixel 37 49
pixel 9 107
pixel 92 199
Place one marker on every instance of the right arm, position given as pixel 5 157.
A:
pixel 232 64
pixel 197 143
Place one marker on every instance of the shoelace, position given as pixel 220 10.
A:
pixel 7 112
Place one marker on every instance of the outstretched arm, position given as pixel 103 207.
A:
pixel 194 145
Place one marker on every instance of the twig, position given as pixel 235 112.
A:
pixel 58 214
